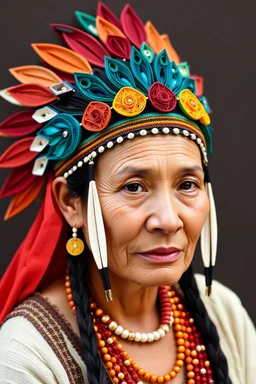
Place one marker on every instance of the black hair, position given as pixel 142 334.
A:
pixel 78 187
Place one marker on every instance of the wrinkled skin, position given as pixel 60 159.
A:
pixel 152 195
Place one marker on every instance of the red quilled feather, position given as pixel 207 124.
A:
pixel 104 12
pixel 82 43
pixel 18 154
pixel 133 27
pixel 20 124
pixel 32 95
pixel 118 46
pixel 19 179
pixel 24 198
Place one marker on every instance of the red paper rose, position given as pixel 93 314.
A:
pixel 96 116
pixel 162 98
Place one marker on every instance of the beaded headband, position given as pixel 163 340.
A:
pixel 117 80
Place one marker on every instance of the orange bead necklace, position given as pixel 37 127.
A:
pixel 122 369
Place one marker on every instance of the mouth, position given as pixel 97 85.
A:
pixel 162 255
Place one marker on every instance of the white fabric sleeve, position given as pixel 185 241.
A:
pixel 236 331
pixel 25 356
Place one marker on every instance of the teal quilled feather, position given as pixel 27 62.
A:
pixel 87 23
pixel 184 69
pixel 93 88
pixel 142 71
pixel 64 134
pixel 205 103
pixel 118 74
pixel 166 71
pixel 147 52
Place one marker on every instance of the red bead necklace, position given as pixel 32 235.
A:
pixel 122 369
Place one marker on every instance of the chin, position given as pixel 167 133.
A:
pixel 164 275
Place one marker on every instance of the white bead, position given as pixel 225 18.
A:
pixel 86 159
pixel 203 371
pixel 112 326
pixel 171 321
pixel 166 130
pixel 110 144
pixel 66 175
pixel 74 168
pixel 130 135
pixel 156 335
pixel 74 235
pixel 193 136
pixel 101 149
pixel 165 327
pixel 120 139
pixel 161 332
pixel 202 145
pixel 150 337
pixel 176 131
pixel 203 347
pixel 70 172
pixel 110 340
pixel 198 348
pixel 74 230
pixel 105 318
pixel 198 140
pixel 93 154
pixel 143 132
pixel 185 132
pixel 144 338
pixel 154 131
pixel 139 382
pixel 125 334
pixel 137 336
pixel 119 329
pixel 80 164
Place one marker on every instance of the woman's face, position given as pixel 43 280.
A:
pixel 154 205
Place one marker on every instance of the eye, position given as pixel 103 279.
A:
pixel 134 187
pixel 188 185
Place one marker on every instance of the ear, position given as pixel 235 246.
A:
pixel 69 206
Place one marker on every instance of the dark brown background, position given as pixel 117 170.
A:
pixel 217 38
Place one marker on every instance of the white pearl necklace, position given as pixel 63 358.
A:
pixel 137 336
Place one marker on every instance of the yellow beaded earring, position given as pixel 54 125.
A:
pixel 75 246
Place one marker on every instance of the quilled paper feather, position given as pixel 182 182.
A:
pixel 82 43
pixel 87 22
pixel 105 13
pixel 20 124
pixel 32 95
pixel 154 38
pixel 105 28
pixel 35 74
pixel 24 198
pixel 173 56
pixel 18 154
pixel 118 46
pixel 62 58
pixel 133 26
pixel 19 179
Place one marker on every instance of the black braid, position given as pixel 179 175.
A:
pixel 206 327
pixel 88 339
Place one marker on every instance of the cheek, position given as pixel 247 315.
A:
pixel 122 223
pixel 195 218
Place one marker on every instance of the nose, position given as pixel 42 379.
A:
pixel 164 214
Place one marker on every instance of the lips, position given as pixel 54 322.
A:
pixel 162 254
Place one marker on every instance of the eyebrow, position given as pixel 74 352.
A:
pixel 146 171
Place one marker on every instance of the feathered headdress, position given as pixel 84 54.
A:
pixel 114 80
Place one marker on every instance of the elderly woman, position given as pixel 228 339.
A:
pixel 123 154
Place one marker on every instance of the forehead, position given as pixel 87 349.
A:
pixel 149 150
